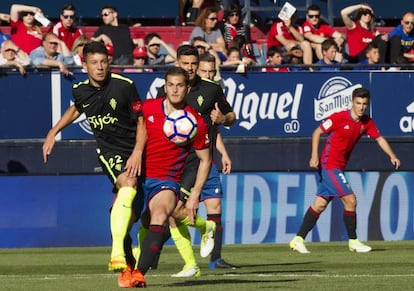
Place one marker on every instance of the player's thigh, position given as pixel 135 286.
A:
pixel 213 205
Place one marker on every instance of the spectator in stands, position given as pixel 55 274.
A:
pixel 52 53
pixel 274 57
pixel 235 58
pixel 189 10
pixel 202 47
pixel 24 31
pixel 361 31
pixel 115 34
pixel 372 54
pixel 288 36
pixel 12 55
pixel 153 43
pixel 232 24
pixel 245 47
pixel 66 29
pixel 401 39
pixel 77 49
pixel 316 31
pixel 206 27
pixel 140 60
pixel 329 50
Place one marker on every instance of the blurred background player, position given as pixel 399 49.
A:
pixel 344 129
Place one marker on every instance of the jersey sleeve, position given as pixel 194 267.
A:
pixel 372 130
pixel 136 103
pixel 328 124
pixel 222 101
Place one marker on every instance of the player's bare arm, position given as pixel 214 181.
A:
pixel 133 164
pixel 385 146
pixel 225 158
pixel 202 174
pixel 316 137
pixel 68 117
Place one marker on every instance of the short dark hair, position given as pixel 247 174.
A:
pixel 109 7
pixel 150 36
pixel 176 71
pixel 187 50
pixel 271 51
pixel 70 7
pixel 328 43
pixel 94 47
pixel 313 7
pixel 361 92
pixel 207 57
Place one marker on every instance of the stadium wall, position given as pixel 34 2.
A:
pixel 65 202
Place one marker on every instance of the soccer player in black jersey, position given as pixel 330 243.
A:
pixel 114 110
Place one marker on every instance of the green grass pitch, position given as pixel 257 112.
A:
pixel 329 266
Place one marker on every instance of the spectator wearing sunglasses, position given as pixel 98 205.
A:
pixel 401 39
pixel 115 34
pixel 361 31
pixel 12 56
pixel 206 27
pixel 153 43
pixel 53 53
pixel 233 24
pixel 24 30
pixel 316 32
pixel 66 29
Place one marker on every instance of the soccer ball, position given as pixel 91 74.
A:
pixel 180 127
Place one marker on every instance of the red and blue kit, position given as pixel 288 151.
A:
pixel 157 166
pixel 343 133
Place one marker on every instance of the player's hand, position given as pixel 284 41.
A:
pixel 216 115
pixel 314 162
pixel 396 162
pixel 48 145
pixel 133 165
pixel 226 163
pixel 191 206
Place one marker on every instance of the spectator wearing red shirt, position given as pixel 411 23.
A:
pixel 65 29
pixel 286 35
pixel 274 57
pixel 316 31
pixel 24 31
pixel 361 31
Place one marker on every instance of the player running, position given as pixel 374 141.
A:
pixel 113 108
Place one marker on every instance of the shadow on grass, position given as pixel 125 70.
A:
pixel 278 265
pixel 228 281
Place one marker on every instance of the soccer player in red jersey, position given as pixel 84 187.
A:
pixel 344 129
pixel 163 167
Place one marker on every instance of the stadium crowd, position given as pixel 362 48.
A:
pixel 216 29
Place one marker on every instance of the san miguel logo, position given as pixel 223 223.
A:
pixel 335 95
